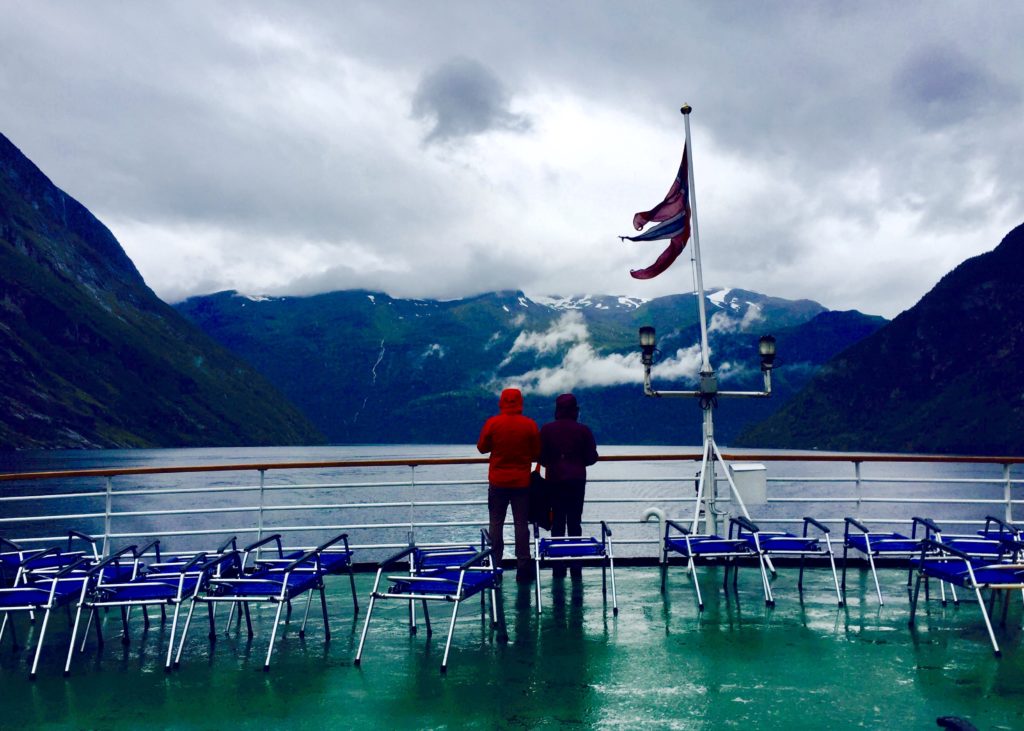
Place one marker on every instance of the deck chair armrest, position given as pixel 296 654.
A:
pixel 808 520
pixel 929 544
pixel 678 526
pixel 196 561
pixel 276 537
pixel 856 524
pixel 223 558
pixel 155 543
pixel 11 544
pixel 84 536
pixel 1004 526
pixel 929 525
pixel 113 558
pixel 407 551
pixel 231 542
pixel 480 556
pixel 745 523
pixel 324 546
pixel 605 530
pixel 52 550
pixel 309 555
pixel 77 565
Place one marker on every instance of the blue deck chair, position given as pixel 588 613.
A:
pixel 576 551
pixel 786 545
pixel 41 593
pixel 335 560
pixel 1001 530
pixel 896 546
pixel 707 549
pixel 154 585
pixel 433 576
pixel 995 543
pixel 276 585
pixel 950 565
pixel 11 556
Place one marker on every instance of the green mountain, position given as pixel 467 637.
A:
pixel 369 368
pixel 945 376
pixel 90 357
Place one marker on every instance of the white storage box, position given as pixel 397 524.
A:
pixel 751 481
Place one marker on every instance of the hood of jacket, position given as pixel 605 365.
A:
pixel 566 407
pixel 511 401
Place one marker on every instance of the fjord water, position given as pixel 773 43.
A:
pixel 619 491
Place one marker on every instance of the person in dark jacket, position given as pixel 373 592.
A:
pixel 513 442
pixel 567 448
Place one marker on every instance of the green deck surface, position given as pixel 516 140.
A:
pixel 659 664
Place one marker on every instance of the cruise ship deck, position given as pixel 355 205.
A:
pixel 804 664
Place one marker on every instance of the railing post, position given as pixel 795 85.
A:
pixel 1007 494
pixel 412 502
pixel 259 515
pixel 857 487
pixel 107 510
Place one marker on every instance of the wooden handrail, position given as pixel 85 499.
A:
pixel 682 457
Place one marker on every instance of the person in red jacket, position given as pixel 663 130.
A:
pixel 513 441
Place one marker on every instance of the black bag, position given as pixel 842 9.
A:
pixel 540 500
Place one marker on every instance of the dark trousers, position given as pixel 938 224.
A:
pixel 567 506
pixel 498 500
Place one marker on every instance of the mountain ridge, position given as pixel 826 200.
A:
pixel 91 357
pixel 941 377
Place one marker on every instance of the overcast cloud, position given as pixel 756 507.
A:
pixel 850 153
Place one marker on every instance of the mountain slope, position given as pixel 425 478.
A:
pixel 91 357
pixel 366 367
pixel 944 376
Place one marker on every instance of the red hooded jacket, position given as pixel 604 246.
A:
pixel 513 441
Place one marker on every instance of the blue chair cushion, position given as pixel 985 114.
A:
pixel 575 547
pixel 882 543
pixel 704 545
pixel 139 591
pixel 433 558
pixel 975 546
pixel 427 583
pixel 39 595
pixel 330 561
pixel 785 542
pixel 270 584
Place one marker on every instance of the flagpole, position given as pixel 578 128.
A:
pixel 707 480
pixel 705 355
pixel 708 392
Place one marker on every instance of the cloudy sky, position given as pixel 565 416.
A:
pixel 848 152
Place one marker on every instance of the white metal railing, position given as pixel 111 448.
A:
pixel 444 500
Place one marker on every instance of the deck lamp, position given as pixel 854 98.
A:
pixel 766 346
pixel 647 340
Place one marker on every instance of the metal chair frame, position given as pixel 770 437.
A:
pixel 481 561
pixel 606 558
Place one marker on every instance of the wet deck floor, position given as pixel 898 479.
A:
pixel 659 664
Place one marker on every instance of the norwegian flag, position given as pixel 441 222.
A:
pixel 673 218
